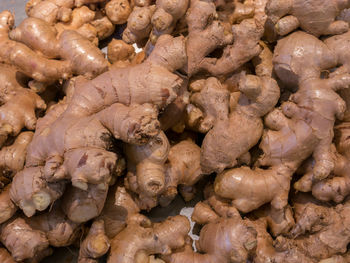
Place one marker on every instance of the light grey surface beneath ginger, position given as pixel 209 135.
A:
pixel 178 206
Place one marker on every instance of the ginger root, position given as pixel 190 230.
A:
pixel 289 15
pixel 141 238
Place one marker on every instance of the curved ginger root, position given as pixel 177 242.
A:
pixel 178 167
pixel 95 245
pixel 84 58
pixel 7 207
pixel 140 239
pixel 291 14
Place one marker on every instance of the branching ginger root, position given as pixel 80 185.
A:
pixel 239 239
pixel 141 238
pixel 95 245
pixel 291 14
pixel 296 131
pixel 96 109
pixel 22 241
pixel 19 105
pixel 83 57
pixel 221 147
pixel 320 231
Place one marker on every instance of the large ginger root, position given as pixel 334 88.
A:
pixel 220 228
pixel 22 241
pixel 161 171
pixel 69 46
pixel 296 131
pixel 141 238
pixel 245 37
pixel 289 15
pixel 19 105
pixel 221 147
pixel 95 245
pixel 95 110
pixel 204 33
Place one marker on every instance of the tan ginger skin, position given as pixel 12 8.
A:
pixel 288 15
pixel 220 227
pixel 141 238
pixel 95 245
pixel 160 171
pixel 221 148
pixel 91 106
pixel 14 117
pixel 291 137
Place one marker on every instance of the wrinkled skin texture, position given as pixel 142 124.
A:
pixel 320 231
pixel 316 17
pixel 140 239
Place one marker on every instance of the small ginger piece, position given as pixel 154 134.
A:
pixel 118 50
pixel 118 11
pixel 30 191
pixel 289 15
pixel 21 240
pixel 141 238
pixel 118 209
pixel 82 205
pixel 7 207
pixel 95 245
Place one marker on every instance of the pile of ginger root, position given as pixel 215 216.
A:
pixel 114 113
